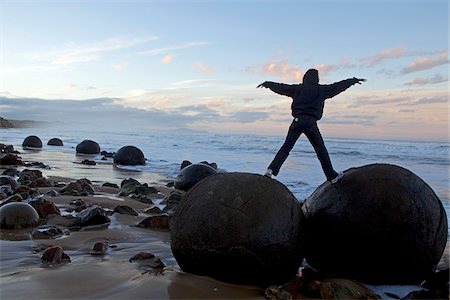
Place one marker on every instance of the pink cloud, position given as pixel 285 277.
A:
pixel 423 81
pixel 167 59
pixel 425 63
pixel 204 68
pixel 283 70
pixel 396 52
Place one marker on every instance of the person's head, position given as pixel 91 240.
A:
pixel 311 77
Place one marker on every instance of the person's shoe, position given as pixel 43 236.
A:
pixel 268 173
pixel 336 179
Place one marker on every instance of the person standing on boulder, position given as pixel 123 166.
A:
pixel 307 108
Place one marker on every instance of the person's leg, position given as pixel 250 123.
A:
pixel 293 134
pixel 316 140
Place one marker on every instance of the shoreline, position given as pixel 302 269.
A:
pixel 111 275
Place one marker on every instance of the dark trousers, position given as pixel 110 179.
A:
pixel 307 125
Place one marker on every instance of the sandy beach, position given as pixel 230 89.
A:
pixel 113 274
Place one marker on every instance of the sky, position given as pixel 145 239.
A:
pixel 155 65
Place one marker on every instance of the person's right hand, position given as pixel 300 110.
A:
pixel 359 80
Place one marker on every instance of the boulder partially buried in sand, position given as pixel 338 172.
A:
pixel 129 156
pixel 88 147
pixel 55 142
pixel 32 141
pixel 18 215
pixel 380 224
pixel 193 174
pixel 239 227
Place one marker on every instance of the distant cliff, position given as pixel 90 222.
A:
pixel 18 123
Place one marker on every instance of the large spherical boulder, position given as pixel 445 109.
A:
pixel 239 227
pixel 129 156
pixel 193 174
pixel 88 147
pixel 55 142
pixel 18 215
pixel 32 141
pixel 380 223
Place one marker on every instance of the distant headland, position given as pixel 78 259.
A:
pixel 4 123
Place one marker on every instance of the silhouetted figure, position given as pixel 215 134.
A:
pixel 307 108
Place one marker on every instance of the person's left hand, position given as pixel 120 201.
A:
pixel 262 85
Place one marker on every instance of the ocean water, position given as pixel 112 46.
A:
pixel 301 173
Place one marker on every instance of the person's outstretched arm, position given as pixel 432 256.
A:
pixel 279 88
pixel 332 90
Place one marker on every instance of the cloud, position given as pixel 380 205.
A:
pixel 424 81
pixel 204 68
pixel 397 52
pixel 365 120
pixel 425 63
pixel 158 51
pixel 167 59
pixel 406 110
pixel 73 52
pixel 278 68
pixel 120 66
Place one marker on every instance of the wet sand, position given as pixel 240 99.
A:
pixel 111 276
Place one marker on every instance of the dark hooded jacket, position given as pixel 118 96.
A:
pixel 309 97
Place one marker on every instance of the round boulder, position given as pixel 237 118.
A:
pixel 32 141
pixel 239 227
pixel 88 147
pixel 55 142
pixel 379 224
pixel 129 156
pixel 193 174
pixel 18 215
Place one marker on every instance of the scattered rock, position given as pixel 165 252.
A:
pixel 7 149
pixel 108 184
pixel 10 159
pixel 32 141
pixel 26 192
pixel 100 248
pixel 18 215
pixel 154 210
pixel 51 193
pixel 93 215
pixel 239 227
pixel 55 142
pixel 129 156
pixel 184 164
pixel 132 186
pixel 46 232
pixel 126 210
pixel 44 207
pixel 386 225
pixel 54 255
pixel 28 177
pixel 11 172
pixel 148 260
pixel 8 180
pixel 171 201
pixel 156 222
pixel 68 221
pixel 107 154
pixel 78 205
pixel 36 164
pixel 88 147
pixel 13 198
pixel 193 174
pixel 88 162
pixel 81 187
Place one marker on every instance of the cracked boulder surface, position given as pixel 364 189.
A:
pixel 379 224
pixel 240 228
